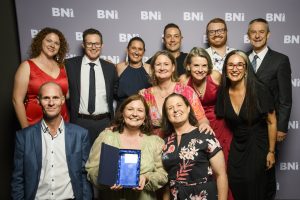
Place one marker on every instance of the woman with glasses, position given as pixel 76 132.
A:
pixel 247 107
pixel 133 74
pixel 47 54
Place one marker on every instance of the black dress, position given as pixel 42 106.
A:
pixel 189 171
pixel 131 81
pixel 249 146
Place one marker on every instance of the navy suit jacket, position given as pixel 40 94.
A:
pixel 73 67
pixel 275 73
pixel 28 161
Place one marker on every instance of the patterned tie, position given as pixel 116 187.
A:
pixel 92 89
pixel 254 62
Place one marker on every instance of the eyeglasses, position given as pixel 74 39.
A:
pixel 90 44
pixel 239 66
pixel 218 31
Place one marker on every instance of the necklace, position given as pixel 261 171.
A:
pixel 166 93
pixel 200 90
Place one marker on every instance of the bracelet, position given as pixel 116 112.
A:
pixel 273 152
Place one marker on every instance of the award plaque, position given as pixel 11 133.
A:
pixel 119 166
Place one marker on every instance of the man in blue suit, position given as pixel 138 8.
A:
pixel 50 156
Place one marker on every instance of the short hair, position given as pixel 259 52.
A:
pixel 48 83
pixel 197 52
pixel 36 45
pixel 118 122
pixel 171 25
pixel 259 20
pixel 216 20
pixel 167 126
pixel 92 31
pixel 152 63
pixel 136 39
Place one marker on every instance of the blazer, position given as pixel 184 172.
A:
pixel 275 72
pixel 73 67
pixel 28 161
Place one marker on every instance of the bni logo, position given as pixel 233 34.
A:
pixel 192 16
pixel 293 125
pixel 204 39
pixel 78 36
pixel 291 39
pixel 275 17
pixel 151 15
pixel 289 166
pixel 296 82
pixel 235 17
pixel 62 12
pixel 33 32
pixel 125 37
pixel 246 39
pixel 107 14
pixel 113 59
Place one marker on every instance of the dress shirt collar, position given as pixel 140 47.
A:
pixel 260 55
pixel 86 61
pixel 60 130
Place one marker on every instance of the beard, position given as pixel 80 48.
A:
pixel 219 44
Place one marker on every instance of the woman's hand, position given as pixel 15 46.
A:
pixel 204 127
pixel 270 160
pixel 142 183
pixel 116 187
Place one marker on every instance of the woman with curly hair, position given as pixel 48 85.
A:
pixel 47 53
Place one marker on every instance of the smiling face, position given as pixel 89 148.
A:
pixel 258 35
pixel 177 111
pixel 236 68
pixel 136 52
pixel 198 68
pixel 163 68
pixel 134 114
pixel 50 45
pixel 217 34
pixel 92 46
pixel 172 39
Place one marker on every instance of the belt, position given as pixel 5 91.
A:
pixel 94 117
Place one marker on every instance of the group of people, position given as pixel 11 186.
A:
pixel 206 122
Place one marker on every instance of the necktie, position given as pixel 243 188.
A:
pixel 254 62
pixel 92 89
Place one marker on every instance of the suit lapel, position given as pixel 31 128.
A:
pixel 77 74
pixel 265 63
pixel 106 79
pixel 69 140
pixel 37 142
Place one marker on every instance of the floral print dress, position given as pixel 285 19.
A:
pixel 189 171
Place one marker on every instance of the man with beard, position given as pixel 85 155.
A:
pixel 216 31
pixel 274 70
pixel 172 42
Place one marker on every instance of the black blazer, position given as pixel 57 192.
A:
pixel 73 67
pixel 275 72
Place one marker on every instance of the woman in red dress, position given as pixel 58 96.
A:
pixel 47 53
pixel 205 81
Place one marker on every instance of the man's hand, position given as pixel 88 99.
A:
pixel 280 136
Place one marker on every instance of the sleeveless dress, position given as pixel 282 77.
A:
pixel 189 172
pixel 131 81
pixel 222 132
pixel 247 172
pixel 38 77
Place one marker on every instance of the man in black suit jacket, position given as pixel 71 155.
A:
pixel 274 70
pixel 93 84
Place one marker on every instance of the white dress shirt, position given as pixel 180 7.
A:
pixel 55 182
pixel 260 58
pixel 101 105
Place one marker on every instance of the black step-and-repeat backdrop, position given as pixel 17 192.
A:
pixel 121 20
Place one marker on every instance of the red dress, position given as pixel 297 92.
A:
pixel 36 79
pixel 223 133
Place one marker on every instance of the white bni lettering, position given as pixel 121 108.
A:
pixel 125 37
pixel 62 12
pixel 204 39
pixel 293 125
pixel 33 32
pixel 275 17
pixel 239 17
pixel 113 59
pixel 193 16
pixel 246 39
pixel 296 82
pixel 291 39
pixel 107 14
pixel 71 55
pixel 151 15
pixel 277 186
pixel 78 36
pixel 288 166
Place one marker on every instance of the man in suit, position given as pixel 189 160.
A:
pixel 93 85
pixel 216 31
pixel 172 42
pixel 50 156
pixel 274 70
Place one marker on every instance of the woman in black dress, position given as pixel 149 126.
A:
pixel 248 109
pixel 191 157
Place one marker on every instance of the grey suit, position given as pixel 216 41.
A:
pixel 28 161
